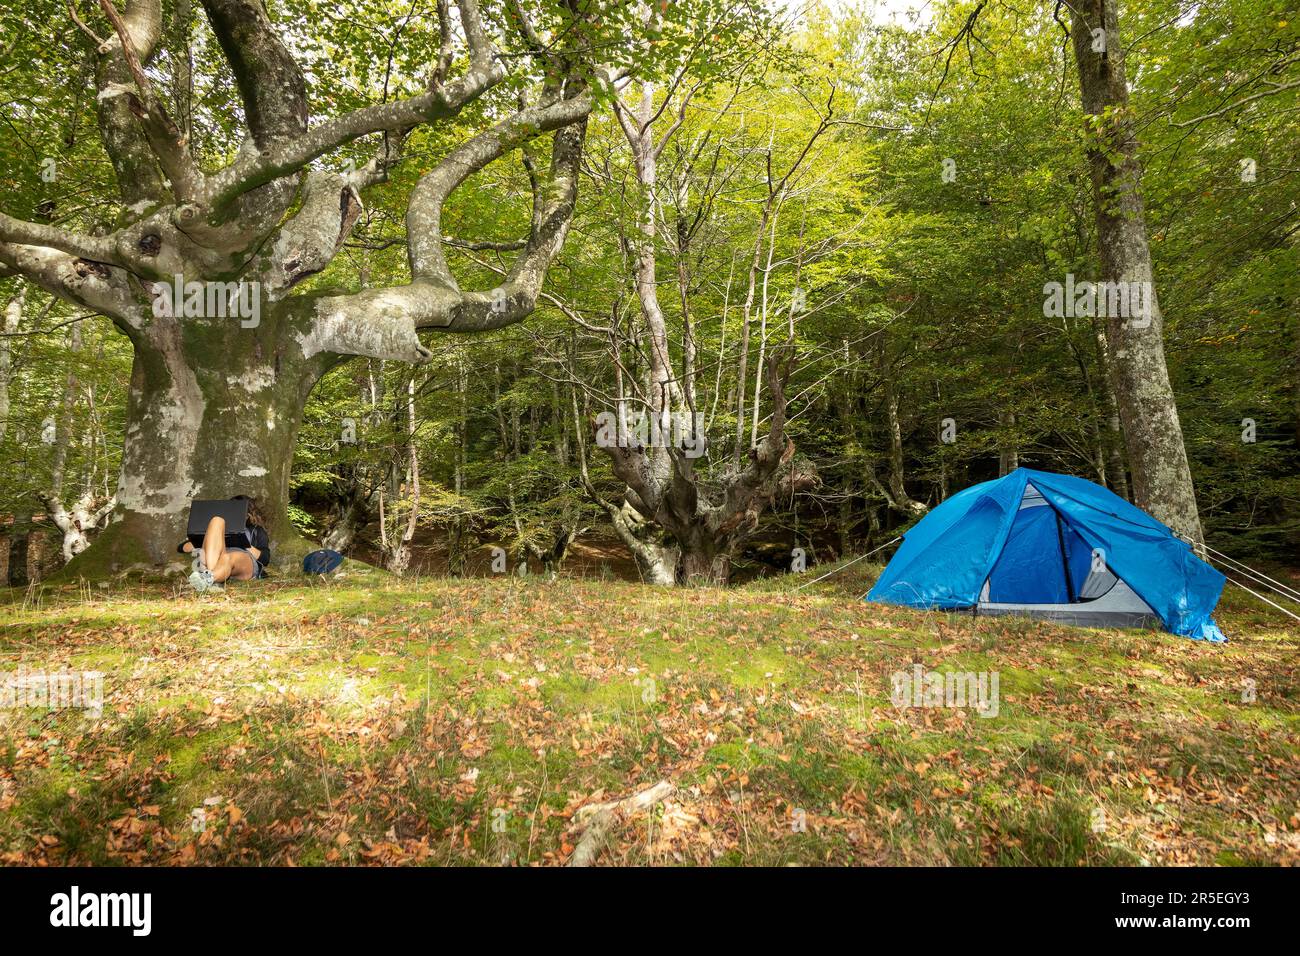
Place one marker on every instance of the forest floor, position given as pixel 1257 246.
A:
pixel 371 720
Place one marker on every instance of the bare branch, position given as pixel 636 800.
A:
pixel 139 175
pixel 1273 90
pixel 165 139
pixel 424 213
pixel 383 323
pixel 256 167
pixel 52 237
pixel 94 37
pixel 91 285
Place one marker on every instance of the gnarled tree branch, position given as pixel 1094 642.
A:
pixel 382 323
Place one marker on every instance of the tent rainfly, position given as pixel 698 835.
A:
pixel 1056 547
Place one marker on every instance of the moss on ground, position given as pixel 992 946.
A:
pixel 371 720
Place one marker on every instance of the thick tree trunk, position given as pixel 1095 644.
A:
pixel 215 404
pixel 1162 479
pixel 213 410
pixel 703 562
pixel 657 563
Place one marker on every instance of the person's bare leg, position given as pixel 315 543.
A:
pixel 214 544
pixel 233 566
pixel 221 570
pixel 238 566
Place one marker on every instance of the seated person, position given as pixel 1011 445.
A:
pixel 215 562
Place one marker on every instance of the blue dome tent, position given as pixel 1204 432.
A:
pixel 1054 547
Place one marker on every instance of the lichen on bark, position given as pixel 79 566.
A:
pixel 215 399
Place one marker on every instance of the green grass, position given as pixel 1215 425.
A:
pixel 442 721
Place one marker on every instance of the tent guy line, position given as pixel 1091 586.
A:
pixel 1271 583
pixel 847 564
pixel 1272 603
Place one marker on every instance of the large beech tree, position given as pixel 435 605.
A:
pixel 215 402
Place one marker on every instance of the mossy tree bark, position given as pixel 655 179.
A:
pixel 213 411
pixel 220 378
pixel 1153 435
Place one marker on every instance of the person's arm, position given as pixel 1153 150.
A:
pixel 258 541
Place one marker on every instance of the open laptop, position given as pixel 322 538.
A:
pixel 235 511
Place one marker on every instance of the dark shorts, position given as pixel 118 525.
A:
pixel 259 569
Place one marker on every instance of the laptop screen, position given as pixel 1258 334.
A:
pixel 235 511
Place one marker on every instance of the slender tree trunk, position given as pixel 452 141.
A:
pixel 63 426
pixel 399 559
pixel 20 533
pixel 20 528
pixel 1162 479
pixel 898 497
pixel 1295 369
pixel 1096 434
pixel 944 482
pixel 845 523
pixel 1009 457
pixel 751 286
pixel 456 551
pixel 742 367
pixel 12 319
pixel 757 404
pixel 359 497
pixel 1113 440
pixel 688 327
